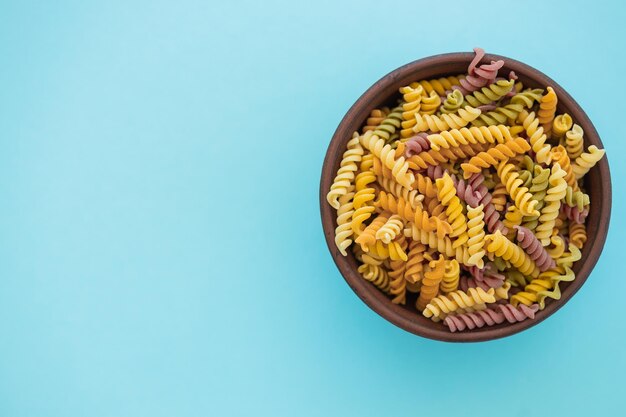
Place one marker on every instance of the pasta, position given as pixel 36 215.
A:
pixel 547 108
pixel 345 174
pixel 466 201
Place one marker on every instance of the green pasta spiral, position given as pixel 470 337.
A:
pixel 453 102
pixel 491 93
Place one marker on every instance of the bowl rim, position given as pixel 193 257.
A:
pixel 373 297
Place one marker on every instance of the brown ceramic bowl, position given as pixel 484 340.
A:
pixel 385 92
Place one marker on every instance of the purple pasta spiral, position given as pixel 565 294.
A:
pixel 477 186
pixel 485 278
pixel 529 242
pixel 416 144
pixel 479 76
pixel 574 214
pixel 435 172
pixel 491 316
pixel 466 190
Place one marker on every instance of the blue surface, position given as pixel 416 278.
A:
pixel 160 244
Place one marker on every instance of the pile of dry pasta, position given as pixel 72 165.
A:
pixel 469 194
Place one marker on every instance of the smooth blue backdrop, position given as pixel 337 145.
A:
pixel 161 252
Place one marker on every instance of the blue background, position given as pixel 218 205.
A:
pixel 161 252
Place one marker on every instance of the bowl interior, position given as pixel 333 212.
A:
pixel 385 92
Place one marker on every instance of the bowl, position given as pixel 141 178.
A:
pixel 385 92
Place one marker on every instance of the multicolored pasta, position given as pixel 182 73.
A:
pixel 467 200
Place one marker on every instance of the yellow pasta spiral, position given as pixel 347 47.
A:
pixel 549 212
pixel 574 142
pixel 343 231
pixel 347 169
pixel 430 103
pixel 476 234
pixel 494 155
pixel 392 228
pixel 561 124
pixel 413 102
pixel 454 211
pixel 391 251
pixel 577 234
pixel 375 274
pixel 430 282
pixel 395 205
pixel 413 197
pixel 545 286
pixel 439 85
pixel 513 217
pixel 536 136
pixel 547 108
pixel 456 137
pixel 500 246
pixel 399 167
pixel 489 94
pixel 443 305
pixel 587 160
pixel 450 280
pixel 440 244
pixel 363 198
pixel 520 195
pixel 445 121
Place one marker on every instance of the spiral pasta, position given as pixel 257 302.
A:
pixel 368 235
pixel 476 234
pixel 439 85
pixel 443 305
pixel 375 274
pixel 576 199
pixel 389 126
pixel 445 121
pixel 586 161
pixel 561 124
pixel 397 283
pixel 347 169
pixel 577 234
pixel 520 195
pixel 546 285
pixel 574 142
pixel 363 198
pixel 343 231
pixel 430 103
pixel 536 137
pixel 413 103
pixel 415 262
pixel 494 155
pixel 455 137
pixel 489 317
pixel 498 196
pixel 529 242
pixel 451 275
pixel 430 282
pixel 454 210
pixel 398 166
pixel 453 102
pixel 559 155
pixel 392 228
pixel 547 108
pixel 549 212
pixel 509 251
pixel 538 188
pixel 490 93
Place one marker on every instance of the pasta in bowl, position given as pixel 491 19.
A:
pixel 465 197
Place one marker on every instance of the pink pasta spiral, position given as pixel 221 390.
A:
pixel 529 242
pixel 476 186
pixel 479 76
pixel 574 214
pixel 491 316
pixel 416 144
pixel 485 278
